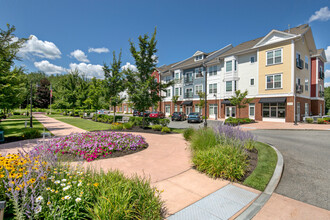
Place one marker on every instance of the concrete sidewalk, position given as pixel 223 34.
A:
pixel 261 125
pixel 188 193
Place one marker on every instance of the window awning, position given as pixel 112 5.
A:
pixel 189 103
pixel 226 102
pixel 273 100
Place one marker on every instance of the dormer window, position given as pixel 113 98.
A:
pixel 199 57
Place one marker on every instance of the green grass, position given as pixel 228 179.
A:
pixel 85 124
pixel 19 117
pixel 267 159
pixel 177 130
pixel 15 128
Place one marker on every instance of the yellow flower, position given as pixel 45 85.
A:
pixel 17 188
pixel 44 177
pixel 96 184
pixel 48 203
pixel 62 198
pixel 56 191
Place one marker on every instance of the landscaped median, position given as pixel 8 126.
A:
pixel 228 152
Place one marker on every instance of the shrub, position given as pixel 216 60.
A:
pixel 187 133
pixel 116 126
pixel 320 121
pixel 222 161
pixel 1 128
pixel 30 133
pixel 166 130
pixel 237 121
pixel 128 125
pixel 309 120
pixel 3 116
pixel 203 139
pixel 137 121
pixel 16 113
pixel 164 122
pixel 156 127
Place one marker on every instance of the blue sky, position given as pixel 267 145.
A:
pixel 65 32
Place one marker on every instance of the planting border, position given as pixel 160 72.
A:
pixel 257 205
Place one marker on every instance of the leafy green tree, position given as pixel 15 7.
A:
pixel 175 99
pixel 201 103
pixel 43 94
pixel 95 94
pixel 70 88
pixel 10 85
pixel 114 83
pixel 142 87
pixel 83 89
pixel 240 100
pixel 327 99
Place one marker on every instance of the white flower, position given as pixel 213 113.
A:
pixel 74 182
pixel 66 188
pixel 67 197
pixel 63 180
pixel 57 182
pixel 39 199
pixel 79 184
pixel 62 184
pixel 52 177
pixel 38 209
pixel 78 199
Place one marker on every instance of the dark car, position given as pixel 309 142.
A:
pixel 156 115
pixel 179 116
pixel 146 114
pixel 195 117
pixel 136 113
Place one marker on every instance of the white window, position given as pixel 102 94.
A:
pixel 213 88
pixel 274 57
pixel 167 109
pixel 213 109
pixel 199 72
pixel 189 93
pixel 167 79
pixel 197 109
pixel 274 81
pixel 252 82
pixel 198 89
pixel 175 108
pixel 251 109
pixel 229 86
pixel 252 59
pixel 176 92
pixel 212 70
pixel 199 57
pixel 168 93
pixel 306 62
pixel 306 85
pixel 125 108
pixel 229 66
pixel 306 109
pixel 177 75
pixel 181 108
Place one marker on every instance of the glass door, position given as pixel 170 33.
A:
pixel 188 109
pixel 298 111
pixel 230 111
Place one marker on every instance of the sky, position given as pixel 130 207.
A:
pixel 82 34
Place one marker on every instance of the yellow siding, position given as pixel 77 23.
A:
pixel 284 68
pixel 302 74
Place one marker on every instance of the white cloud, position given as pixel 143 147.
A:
pixel 327 74
pixel 98 50
pixel 129 66
pixel 49 68
pixel 155 58
pixel 323 15
pixel 39 48
pixel 327 54
pixel 80 56
pixel 89 70
pixel 326 84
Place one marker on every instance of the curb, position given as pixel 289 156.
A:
pixel 257 205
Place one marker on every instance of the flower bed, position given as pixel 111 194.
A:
pixel 93 145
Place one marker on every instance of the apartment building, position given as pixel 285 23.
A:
pixel 283 71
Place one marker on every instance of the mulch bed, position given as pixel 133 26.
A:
pixel 253 159
pixel 142 130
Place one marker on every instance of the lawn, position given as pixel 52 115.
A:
pixel 85 124
pixel 15 125
pixel 267 159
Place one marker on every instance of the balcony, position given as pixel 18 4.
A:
pixel 188 80
pixel 177 81
pixel 300 63
pixel 299 89
pixel 188 95
pixel 321 93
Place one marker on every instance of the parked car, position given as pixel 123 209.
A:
pixel 156 115
pixel 146 114
pixel 179 116
pixel 195 117
pixel 136 113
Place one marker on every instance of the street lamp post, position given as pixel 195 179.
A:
pixel 205 86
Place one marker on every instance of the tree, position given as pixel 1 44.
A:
pixel 70 88
pixel 201 103
pixel 175 99
pixel 10 84
pixel 240 100
pixel 327 99
pixel 142 87
pixel 95 94
pixel 114 83
pixel 43 94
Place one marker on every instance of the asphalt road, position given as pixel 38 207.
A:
pixel 306 164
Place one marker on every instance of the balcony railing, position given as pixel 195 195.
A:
pixel 188 95
pixel 300 63
pixel 177 81
pixel 188 80
pixel 321 93
pixel 299 88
